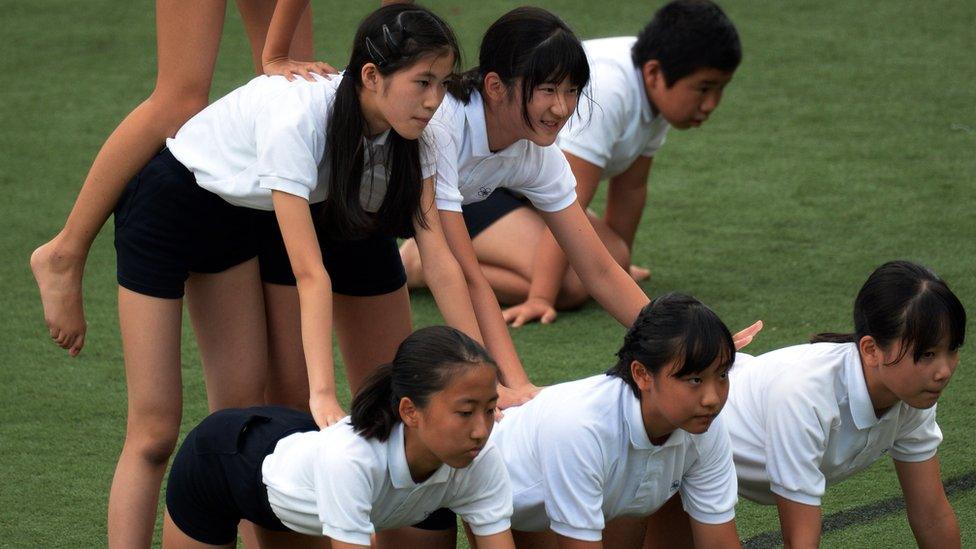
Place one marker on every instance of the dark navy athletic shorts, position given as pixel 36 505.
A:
pixel 167 226
pixel 481 215
pixel 216 481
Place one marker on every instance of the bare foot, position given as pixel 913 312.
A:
pixel 59 281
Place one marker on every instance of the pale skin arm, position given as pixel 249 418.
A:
pixel 315 302
pixel 281 30
pixel 501 540
pixel 492 326
pixel 550 262
pixel 929 514
pixel 626 197
pixel 715 535
pixel 446 279
pixel 800 524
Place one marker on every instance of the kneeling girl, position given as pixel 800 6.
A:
pixel 417 440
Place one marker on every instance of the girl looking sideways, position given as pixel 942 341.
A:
pixel 417 440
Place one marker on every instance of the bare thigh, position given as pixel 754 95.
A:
pixel 669 527
pixel 510 242
pixel 535 540
pixel 287 383
pixel 369 330
pixel 227 310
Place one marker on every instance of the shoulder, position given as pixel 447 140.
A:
pixel 342 446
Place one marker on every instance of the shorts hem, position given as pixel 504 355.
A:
pixel 151 291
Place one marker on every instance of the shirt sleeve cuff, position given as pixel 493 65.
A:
pixel 912 458
pixel 447 205
pixel 582 534
pixel 711 518
pixel 566 202
pixel 798 497
pixel 492 528
pixel 582 153
pixel 285 185
pixel 347 536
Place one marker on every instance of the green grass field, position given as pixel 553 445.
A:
pixel 847 138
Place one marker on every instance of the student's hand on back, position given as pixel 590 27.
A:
pixel 288 68
pixel 325 410
pixel 531 310
pixel 515 396
pixel 744 337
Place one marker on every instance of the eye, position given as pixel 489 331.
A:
pixel 547 89
pixel 694 380
pixel 490 412
pixel 464 413
pixel 573 91
pixel 423 83
pixel 724 375
pixel 928 355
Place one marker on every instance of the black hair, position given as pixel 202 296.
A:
pixel 530 44
pixel 424 364
pixel 687 35
pixel 674 327
pixel 905 301
pixel 393 38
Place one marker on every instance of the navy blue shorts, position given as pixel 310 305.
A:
pixel 481 215
pixel 215 480
pixel 167 226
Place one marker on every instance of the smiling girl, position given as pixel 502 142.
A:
pixel 417 440
pixel 806 417
pixel 342 167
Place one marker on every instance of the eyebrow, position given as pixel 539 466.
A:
pixel 474 400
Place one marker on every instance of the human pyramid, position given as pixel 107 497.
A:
pixel 276 212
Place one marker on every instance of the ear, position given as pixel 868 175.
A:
pixel 370 77
pixel 871 352
pixel 642 376
pixel 494 88
pixel 409 413
pixel 651 72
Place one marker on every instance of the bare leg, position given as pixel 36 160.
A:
pixel 227 310
pixel 625 532
pixel 369 330
pixel 151 345
pixel 536 540
pixel 287 380
pixel 669 527
pixel 188 35
pixel 415 537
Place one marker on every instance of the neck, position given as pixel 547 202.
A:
pixel 375 123
pixel 658 429
pixel 420 460
pixel 500 134
pixel 882 399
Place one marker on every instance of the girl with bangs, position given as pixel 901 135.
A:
pixel 806 417
pixel 316 178
pixel 497 129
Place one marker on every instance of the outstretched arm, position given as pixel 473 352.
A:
pixel 315 302
pixel 929 514
pixel 715 535
pixel 800 523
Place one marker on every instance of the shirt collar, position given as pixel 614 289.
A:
pixel 474 115
pixel 647 113
pixel 380 139
pixel 635 425
pixel 858 398
pixel 396 459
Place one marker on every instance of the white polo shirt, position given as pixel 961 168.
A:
pixel 270 134
pixel 579 456
pixel 467 171
pixel 801 419
pixel 618 125
pixel 338 484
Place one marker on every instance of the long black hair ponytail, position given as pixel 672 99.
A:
pixel 393 38
pixel 905 301
pixel 424 364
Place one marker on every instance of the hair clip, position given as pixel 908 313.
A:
pixel 374 52
pixel 388 38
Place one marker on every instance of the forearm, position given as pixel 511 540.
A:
pixel 625 206
pixel 615 290
pixel 315 302
pixel 281 29
pixel 446 282
pixel 495 333
pixel 548 269
pixel 935 528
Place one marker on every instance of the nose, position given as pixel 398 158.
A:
pixel 560 107
pixel 712 99
pixel 945 369
pixel 433 98
pixel 481 428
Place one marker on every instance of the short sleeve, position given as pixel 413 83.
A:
pixel 549 181
pixel 290 140
pixel 573 479
pixel 601 116
pixel 428 154
pixel 796 439
pixel 918 436
pixel 447 194
pixel 659 135
pixel 709 489
pixel 344 501
pixel 485 498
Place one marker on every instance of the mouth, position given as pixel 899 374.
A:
pixel 473 452
pixel 422 120
pixel 551 126
pixel 705 418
